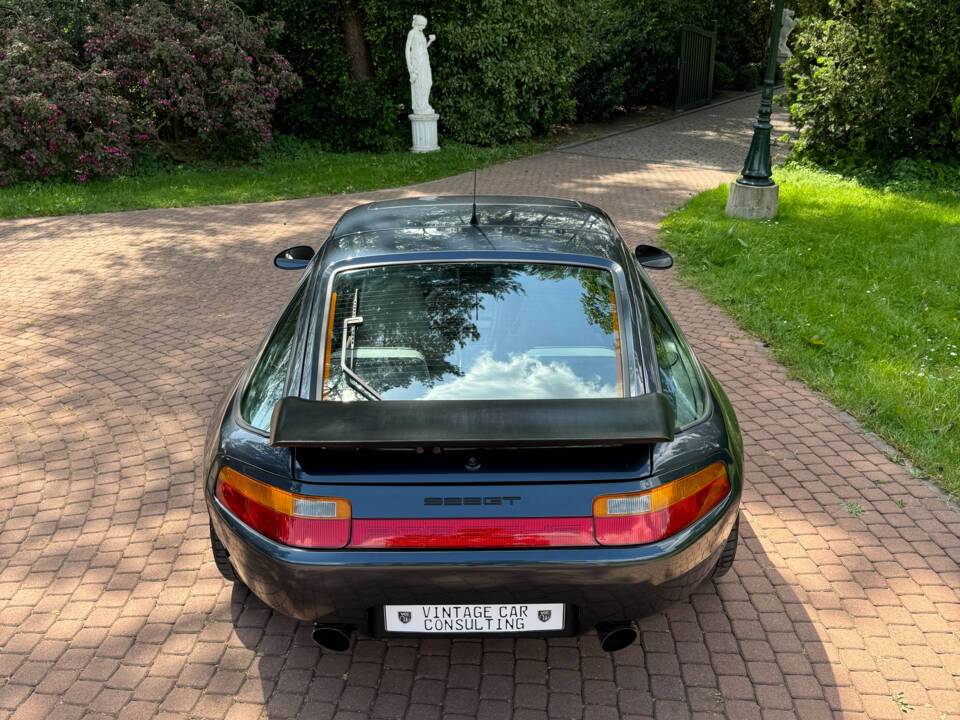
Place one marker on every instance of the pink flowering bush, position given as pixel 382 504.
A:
pixel 57 119
pixel 200 71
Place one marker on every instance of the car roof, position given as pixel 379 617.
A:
pixel 506 223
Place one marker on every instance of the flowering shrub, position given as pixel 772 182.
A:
pixel 57 119
pixel 200 71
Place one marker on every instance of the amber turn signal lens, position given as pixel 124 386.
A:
pixel 645 517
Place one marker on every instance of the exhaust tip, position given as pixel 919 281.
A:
pixel 336 638
pixel 616 636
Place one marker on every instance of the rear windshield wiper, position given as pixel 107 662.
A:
pixel 350 343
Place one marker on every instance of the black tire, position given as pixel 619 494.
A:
pixel 222 558
pixel 729 552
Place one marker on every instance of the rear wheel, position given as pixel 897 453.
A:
pixel 729 552
pixel 222 558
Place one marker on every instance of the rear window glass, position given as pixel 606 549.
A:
pixel 464 331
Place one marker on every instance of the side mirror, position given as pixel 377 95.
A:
pixel 295 258
pixel 653 257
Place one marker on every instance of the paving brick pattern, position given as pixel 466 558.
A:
pixel 119 333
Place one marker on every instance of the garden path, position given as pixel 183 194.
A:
pixel 120 332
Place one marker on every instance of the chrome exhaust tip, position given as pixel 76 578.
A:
pixel 336 638
pixel 616 636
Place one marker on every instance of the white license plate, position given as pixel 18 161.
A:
pixel 536 617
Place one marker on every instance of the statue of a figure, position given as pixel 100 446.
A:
pixel 786 27
pixel 418 63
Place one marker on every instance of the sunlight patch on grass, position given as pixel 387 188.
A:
pixel 856 289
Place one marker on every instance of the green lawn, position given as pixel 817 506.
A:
pixel 856 289
pixel 297 171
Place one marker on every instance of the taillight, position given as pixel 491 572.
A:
pixel 285 517
pixel 638 518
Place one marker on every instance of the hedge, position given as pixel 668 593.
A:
pixel 877 81
pixel 503 69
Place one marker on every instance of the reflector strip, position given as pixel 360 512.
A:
pixel 314 508
pixel 633 505
pixel 473 533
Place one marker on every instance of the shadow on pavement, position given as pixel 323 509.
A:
pixel 724 651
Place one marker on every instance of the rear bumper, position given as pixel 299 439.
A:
pixel 349 586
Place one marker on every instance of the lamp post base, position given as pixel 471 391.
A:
pixel 752 202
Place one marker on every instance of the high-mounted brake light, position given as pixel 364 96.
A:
pixel 638 518
pixel 285 517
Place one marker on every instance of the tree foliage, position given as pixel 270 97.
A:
pixel 877 80
pixel 633 57
pixel 503 69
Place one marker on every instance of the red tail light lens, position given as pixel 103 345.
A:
pixel 638 518
pixel 473 533
pixel 284 517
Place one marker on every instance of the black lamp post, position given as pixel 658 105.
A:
pixel 757 168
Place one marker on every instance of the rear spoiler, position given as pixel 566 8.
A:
pixel 472 423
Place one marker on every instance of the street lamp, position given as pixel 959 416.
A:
pixel 755 194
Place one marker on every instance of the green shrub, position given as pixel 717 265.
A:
pixel 877 80
pixel 502 70
pixel 747 76
pixel 743 27
pixel 366 116
pixel 633 57
pixel 723 77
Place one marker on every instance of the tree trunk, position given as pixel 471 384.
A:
pixel 355 43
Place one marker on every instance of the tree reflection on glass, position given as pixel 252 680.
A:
pixel 597 296
pixel 426 326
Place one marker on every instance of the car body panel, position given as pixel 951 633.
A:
pixel 605 583
pixel 600 583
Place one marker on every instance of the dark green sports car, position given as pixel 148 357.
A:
pixel 473 416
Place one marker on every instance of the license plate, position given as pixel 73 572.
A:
pixel 429 619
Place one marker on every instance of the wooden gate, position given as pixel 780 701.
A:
pixel 695 66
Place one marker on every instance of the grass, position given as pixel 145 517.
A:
pixel 292 170
pixel 856 289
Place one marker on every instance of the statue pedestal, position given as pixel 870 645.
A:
pixel 424 128
pixel 752 202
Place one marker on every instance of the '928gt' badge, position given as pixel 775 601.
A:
pixel 404 616
pixel 544 615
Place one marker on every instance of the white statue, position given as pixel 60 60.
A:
pixel 786 27
pixel 418 63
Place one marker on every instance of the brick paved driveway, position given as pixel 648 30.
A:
pixel 118 334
